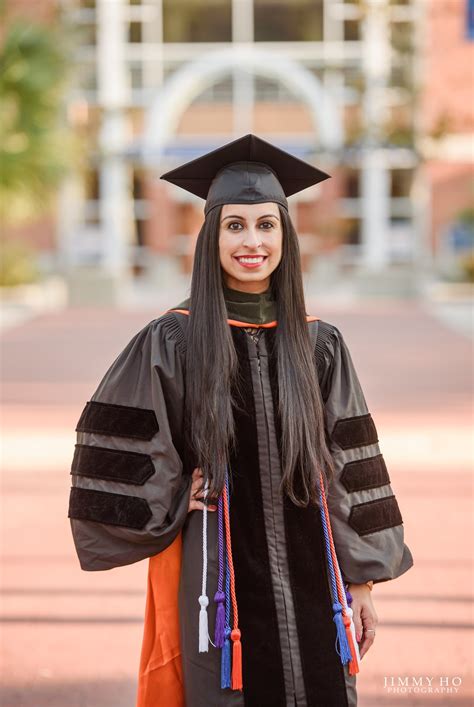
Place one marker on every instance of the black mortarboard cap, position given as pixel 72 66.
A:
pixel 245 171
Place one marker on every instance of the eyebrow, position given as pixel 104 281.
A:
pixel 243 219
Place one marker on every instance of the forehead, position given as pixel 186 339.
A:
pixel 250 211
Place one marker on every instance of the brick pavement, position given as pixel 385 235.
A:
pixel 72 638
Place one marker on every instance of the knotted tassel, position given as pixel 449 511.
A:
pixel 342 645
pixel 203 625
pixel 352 642
pixel 219 627
pixel 236 660
pixel 225 660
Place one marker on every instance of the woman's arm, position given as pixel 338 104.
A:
pixel 364 615
pixel 129 497
pixel 365 518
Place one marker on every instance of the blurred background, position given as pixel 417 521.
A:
pixel 97 99
pixel 100 98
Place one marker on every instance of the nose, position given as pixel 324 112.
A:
pixel 252 238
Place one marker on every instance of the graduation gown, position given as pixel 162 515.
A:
pixel 131 479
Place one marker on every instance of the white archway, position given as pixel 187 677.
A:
pixel 192 79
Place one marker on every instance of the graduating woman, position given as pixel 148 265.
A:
pixel 230 442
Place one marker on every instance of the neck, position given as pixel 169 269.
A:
pixel 249 307
pixel 242 295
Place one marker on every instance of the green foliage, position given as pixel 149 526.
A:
pixel 34 145
pixel 17 264
pixel 466 264
pixel 466 216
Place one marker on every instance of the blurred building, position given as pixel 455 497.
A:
pixel 360 88
pixel 445 124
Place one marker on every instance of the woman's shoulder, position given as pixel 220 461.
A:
pixel 167 328
pixel 326 336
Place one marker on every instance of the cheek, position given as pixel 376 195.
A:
pixel 225 247
pixel 278 246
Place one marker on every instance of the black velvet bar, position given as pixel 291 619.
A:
pixel 118 421
pixel 363 474
pixel 358 431
pixel 109 508
pixel 375 515
pixel 112 464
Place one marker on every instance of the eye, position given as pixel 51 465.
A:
pixel 237 225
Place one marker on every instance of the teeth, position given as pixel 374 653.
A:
pixel 251 260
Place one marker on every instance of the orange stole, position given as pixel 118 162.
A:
pixel 160 677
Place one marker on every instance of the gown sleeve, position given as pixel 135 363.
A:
pixel 129 497
pixel 366 521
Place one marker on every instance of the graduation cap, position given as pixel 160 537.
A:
pixel 245 171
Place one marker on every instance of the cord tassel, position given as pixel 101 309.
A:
pixel 342 645
pixel 225 661
pixel 236 660
pixel 352 642
pixel 203 625
pixel 219 627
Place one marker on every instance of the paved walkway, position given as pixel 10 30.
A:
pixel 72 638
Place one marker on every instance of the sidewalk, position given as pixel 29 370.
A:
pixel 72 638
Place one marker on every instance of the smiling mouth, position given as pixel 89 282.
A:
pixel 249 260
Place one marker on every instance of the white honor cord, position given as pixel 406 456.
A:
pixel 204 599
pixel 204 583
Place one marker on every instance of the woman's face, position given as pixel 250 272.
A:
pixel 250 245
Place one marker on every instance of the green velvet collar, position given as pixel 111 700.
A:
pixel 246 306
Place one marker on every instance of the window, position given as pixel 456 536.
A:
pixel 135 32
pixel 197 21
pixel 139 211
pixel 283 21
pixel 351 230
pixel 352 183
pixel 401 182
pixel 351 30
pixel 92 184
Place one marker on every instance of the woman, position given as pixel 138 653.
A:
pixel 237 404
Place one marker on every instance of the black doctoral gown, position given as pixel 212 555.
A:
pixel 131 478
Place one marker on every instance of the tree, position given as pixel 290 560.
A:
pixel 35 147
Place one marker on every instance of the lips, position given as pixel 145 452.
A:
pixel 250 261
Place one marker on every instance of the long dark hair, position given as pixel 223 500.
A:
pixel 212 371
